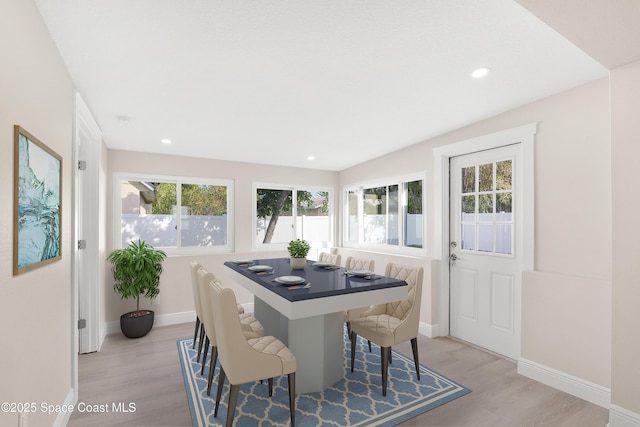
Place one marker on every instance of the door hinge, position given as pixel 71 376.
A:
pixel 82 323
pixel 82 165
pixel 82 244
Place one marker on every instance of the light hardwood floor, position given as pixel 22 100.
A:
pixel 147 373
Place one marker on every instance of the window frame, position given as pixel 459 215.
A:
pixel 256 246
pixel 118 177
pixel 401 247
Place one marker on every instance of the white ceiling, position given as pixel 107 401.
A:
pixel 276 81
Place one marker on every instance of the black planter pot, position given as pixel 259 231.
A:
pixel 136 326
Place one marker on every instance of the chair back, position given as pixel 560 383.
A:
pixel 194 266
pixel 408 310
pixel 240 361
pixel 353 263
pixel 204 278
pixel 325 257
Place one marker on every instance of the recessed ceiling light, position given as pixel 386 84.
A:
pixel 480 73
pixel 125 120
pixel 165 141
pixel 311 158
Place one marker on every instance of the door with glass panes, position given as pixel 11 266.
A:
pixel 485 267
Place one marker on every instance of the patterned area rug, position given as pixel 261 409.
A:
pixel 355 400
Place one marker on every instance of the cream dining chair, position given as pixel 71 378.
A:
pixel 194 266
pixel 251 327
pixel 325 257
pixel 392 323
pixel 356 264
pixel 242 360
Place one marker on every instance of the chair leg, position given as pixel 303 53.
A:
pixel 195 333
pixel 204 357
pixel 369 342
pixel 233 400
pixel 348 329
pixel 414 348
pixel 212 368
pixel 219 392
pixel 353 348
pixel 270 380
pixel 202 334
pixel 292 397
pixel 385 352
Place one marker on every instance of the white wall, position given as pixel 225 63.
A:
pixel 36 93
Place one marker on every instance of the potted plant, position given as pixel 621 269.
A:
pixel 298 250
pixel 136 270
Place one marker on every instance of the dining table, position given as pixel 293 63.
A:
pixel 304 308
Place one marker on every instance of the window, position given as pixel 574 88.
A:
pixel 283 214
pixel 412 214
pixel 175 214
pixel 388 215
pixel 380 215
pixel 487 187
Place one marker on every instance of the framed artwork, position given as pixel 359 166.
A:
pixel 37 203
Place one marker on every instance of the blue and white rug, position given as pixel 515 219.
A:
pixel 355 400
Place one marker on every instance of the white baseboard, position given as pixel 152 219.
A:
pixel 428 330
pixel 158 320
pixel 190 316
pixel 620 417
pixel 63 416
pixel 587 390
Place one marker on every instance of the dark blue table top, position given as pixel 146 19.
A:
pixel 324 282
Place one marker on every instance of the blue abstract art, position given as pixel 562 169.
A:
pixel 37 203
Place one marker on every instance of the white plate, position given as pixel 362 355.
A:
pixel 243 261
pixel 260 268
pixel 359 272
pixel 323 264
pixel 290 280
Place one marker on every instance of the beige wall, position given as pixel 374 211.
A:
pixel 175 294
pixel 35 308
pixel 625 124
pixel 573 221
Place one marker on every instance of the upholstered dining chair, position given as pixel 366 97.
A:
pixel 392 323
pixel 353 263
pixel 194 266
pixel 242 360
pixel 251 327
pixel 325 257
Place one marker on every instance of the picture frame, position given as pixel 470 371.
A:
pixel 37 203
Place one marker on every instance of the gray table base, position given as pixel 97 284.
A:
pixel 317 342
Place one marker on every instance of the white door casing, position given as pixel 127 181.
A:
pixel 484 268
pixel 87 145
pixel 524 137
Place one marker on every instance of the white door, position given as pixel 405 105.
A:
pixel 485 266
pixel 88 140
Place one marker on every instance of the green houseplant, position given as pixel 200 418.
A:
pixel 298 250
pixel 136 271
